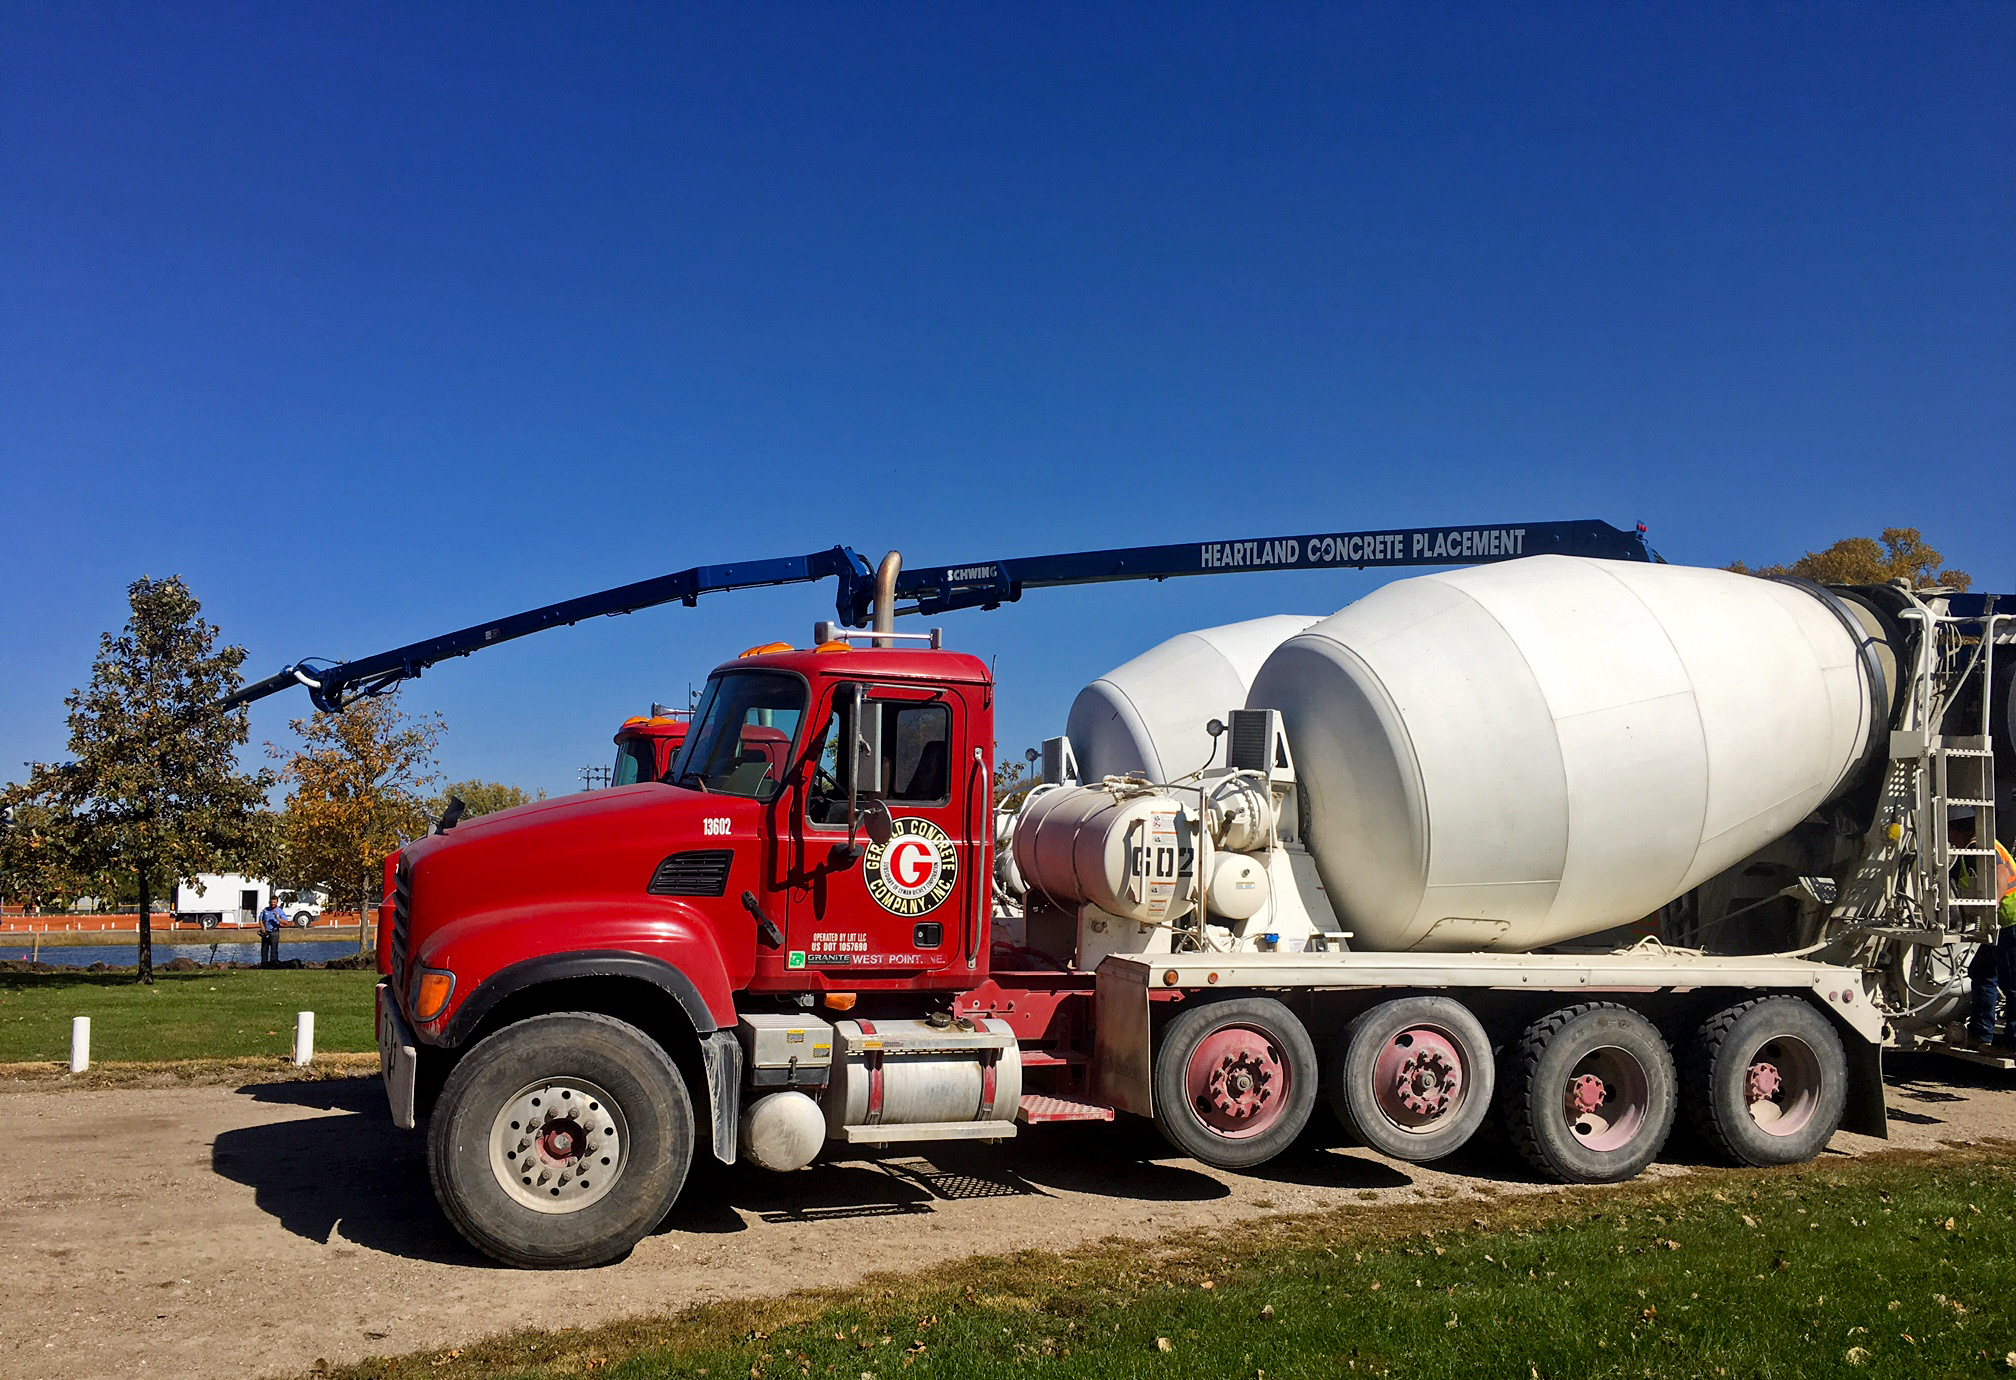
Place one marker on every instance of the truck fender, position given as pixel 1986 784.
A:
pixel 720 1051
pixel 531 972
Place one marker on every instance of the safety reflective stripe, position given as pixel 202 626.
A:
pixel 873 1059
pixel 989 1082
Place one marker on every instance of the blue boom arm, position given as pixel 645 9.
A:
pixel 989 584
pixel 986 585
pixel 333 687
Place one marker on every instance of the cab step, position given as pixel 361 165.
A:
pixel 1038 1108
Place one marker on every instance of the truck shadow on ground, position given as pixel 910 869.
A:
pixel 356 1177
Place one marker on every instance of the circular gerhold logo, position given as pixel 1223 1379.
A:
pixel 914 871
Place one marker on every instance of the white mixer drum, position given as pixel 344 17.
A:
pixel 1512 755
pixel 1148 716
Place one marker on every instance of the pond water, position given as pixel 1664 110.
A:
pixel 224 951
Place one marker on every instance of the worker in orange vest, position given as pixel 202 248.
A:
pixel 1992 973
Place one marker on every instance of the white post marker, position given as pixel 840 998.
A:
pixel 80 1043
pixel 304 1037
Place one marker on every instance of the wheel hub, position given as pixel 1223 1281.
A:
pixel 1418 1078
pixel 558 1145
pixel 1238 1082
pixel 1763 1082
pixel 1586 1094
pixel 1240 1086
pixel 1428 1082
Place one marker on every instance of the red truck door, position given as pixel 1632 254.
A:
pixel 903 907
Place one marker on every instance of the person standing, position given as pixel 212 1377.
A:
pixel 270 921
pixel 1992 974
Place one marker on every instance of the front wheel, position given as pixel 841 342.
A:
pixel 1234 1081
pixel 560 1141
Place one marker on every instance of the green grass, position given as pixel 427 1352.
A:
pixel 1899 1267
pixel 225 1014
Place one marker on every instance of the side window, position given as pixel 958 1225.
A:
pixel 917 743
pixel 906 760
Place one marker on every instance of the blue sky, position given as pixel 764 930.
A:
pixel 372 321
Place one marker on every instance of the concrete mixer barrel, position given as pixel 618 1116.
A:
pixel 1509 756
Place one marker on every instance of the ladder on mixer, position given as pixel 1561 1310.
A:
pixel 1962 775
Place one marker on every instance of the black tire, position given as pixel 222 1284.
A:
pixel 209 922
pixel 1426 1113
pixel 1283 1052
pixel 1803 1100
pixel 303 919
pixel 1609 1055
pixel 647 1099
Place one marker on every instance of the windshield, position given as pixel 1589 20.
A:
pixel 741 734
pixel 635 760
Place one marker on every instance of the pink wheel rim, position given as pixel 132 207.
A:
pixel 1238 1081
pixel 1606 1099
pixel 1419 1079
pixel 1781 1085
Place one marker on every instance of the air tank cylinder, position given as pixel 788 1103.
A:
pixel 906 1073
pixel 1512 755
pixel 1128 852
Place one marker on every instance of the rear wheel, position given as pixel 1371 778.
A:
pixel 1234 1081
pixel 1413 1077
pixel 1589 1093
pixel 303 919
pixel 560 1141
pixel 1767 1081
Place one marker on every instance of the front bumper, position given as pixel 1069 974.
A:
pixel 398 1059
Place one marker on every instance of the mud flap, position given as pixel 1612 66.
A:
pixel 1122 1056
pixel 1865 1113
pixel 721 1055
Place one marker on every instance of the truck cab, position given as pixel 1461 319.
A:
pixel 646 744
pixel 822 838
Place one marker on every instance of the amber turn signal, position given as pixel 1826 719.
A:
pixel 430 993
pixel 839 1001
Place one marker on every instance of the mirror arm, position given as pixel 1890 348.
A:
pixel 848 853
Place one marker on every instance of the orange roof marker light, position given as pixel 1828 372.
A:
pixel 766 649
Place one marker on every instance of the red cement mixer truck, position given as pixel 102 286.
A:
pixel 1585 844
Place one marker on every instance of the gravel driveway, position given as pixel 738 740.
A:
pixel 206 1231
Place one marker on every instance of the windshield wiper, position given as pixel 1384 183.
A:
pixel 694 777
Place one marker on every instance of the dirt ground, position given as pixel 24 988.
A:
pixel 204 1231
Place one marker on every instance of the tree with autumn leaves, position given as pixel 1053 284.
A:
pixel 356 791
pixel 1900 554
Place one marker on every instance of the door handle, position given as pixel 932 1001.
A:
pixel 765 926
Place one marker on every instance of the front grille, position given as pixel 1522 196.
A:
pixel 402 918
pixel 700 873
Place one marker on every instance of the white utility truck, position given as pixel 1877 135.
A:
pixel 228 900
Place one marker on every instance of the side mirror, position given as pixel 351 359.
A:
pixel 875 822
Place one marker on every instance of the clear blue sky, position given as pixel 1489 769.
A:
pixel 375 320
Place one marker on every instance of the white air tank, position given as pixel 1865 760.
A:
pixel 1148 716
pixel 1512 755
pixel 1128 853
